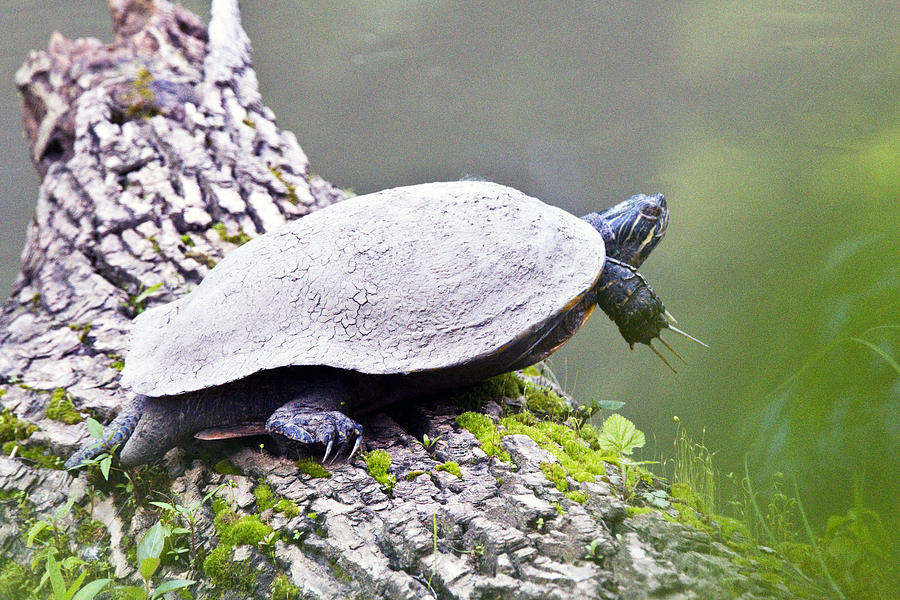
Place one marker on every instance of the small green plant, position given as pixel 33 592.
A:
pixel 378 462
pixel 137 303
pixel 149 550
pixel 283 589
pixel 186 516
pixel 429 442
pixel 620 437
pixel 594 551
pixel 77 590
pixel 238 239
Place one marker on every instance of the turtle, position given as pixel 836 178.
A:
pixel 389 296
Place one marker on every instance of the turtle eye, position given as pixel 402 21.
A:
pixel 653 211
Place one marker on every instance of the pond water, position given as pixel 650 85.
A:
pixel 772 128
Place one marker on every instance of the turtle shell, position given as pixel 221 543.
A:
pixel 410 279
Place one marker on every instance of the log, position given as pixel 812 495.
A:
pixel 157 157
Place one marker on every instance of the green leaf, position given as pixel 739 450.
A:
pixel 131 592
pixel 35 531
pixel 56 580
pixel 148 567
pixel 151 544
pixel 90 590
pixel 105 464
pixel 163 505
pixel 63 510
pixel 619 435
pixel 94 428
pixel 75 585
pixel 168 586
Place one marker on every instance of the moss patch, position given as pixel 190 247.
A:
pixel 83 330
pixel 483 428
pixel 265 499
pixel 12 428
pixel 219 566
pixel 60 408
pixel 283 589
pixel 291 188
pixel 450 467
pixel 224 467
pixel 314 469
pixel 378 462
pixel 288 508
pixel 239 239
pixel 507 385
pixel 37 455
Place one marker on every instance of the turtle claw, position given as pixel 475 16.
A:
pixel 661 357
pixel 688 336
pixel 355 446
pixel 295 428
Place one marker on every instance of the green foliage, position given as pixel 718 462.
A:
pixel 291 188
pixel 283 589
pixel 118 363
pixel 180 519
pixel 507 385
pixel 238 239
pixel 288 508
pixel 61 408
pixel 39 456
pixel 620 436
pixel 378 462
pixel 483 428
pixel 314 469
pixel 84 329
pixel 219 567
pixel 187 240
pixel 14 429
pixel 265 499
pixel 137 303
pixel 224 467
pixel 544 401
pixel 692 467
pixel 141 98
pixel 450 467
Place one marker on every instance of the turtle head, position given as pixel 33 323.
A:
pixel 632 229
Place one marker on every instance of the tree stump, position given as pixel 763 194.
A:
pixel 157 157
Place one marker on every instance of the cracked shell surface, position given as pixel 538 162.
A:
pixel 408 279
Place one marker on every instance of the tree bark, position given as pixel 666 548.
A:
pixel 144 146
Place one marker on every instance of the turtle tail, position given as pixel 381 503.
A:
pixel 115 434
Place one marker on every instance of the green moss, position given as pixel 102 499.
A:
pixel 239 239
pixel 378 462
pixel 142 99
pixel 118 363
pixel 219 566
pixel 283 589
pixel 413 474
pixel 338 572
pixel 683 493
pixel 248 122
pixel 544 401
pixel 60 408
pixel 35 301
pixel 555 474
pixel 224 467
pixel 187 240
pixel 291 189
pixel 37 455
pixel 248 529
pixel 265 499
pixel 507 385
pixel 582 462
pixel 91 531
pixel 16 581
pixel 450 467
pixel 12 428
pixel 483 428
pixel 531 371
pixel 577 496
pixel 633 511
pixel 84 329
pixel 155 243
pixel 201 257
pixel 314 469
pixel 288 508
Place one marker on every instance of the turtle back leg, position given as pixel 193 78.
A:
pixel 316 416
pixel 116 433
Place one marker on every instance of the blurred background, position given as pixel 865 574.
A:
pixel 772 128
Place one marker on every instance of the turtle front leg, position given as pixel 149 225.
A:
pixel 315 418
pixel 118 432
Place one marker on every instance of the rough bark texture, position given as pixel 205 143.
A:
pixel 144 146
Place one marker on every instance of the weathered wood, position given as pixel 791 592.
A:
pixel 145 145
